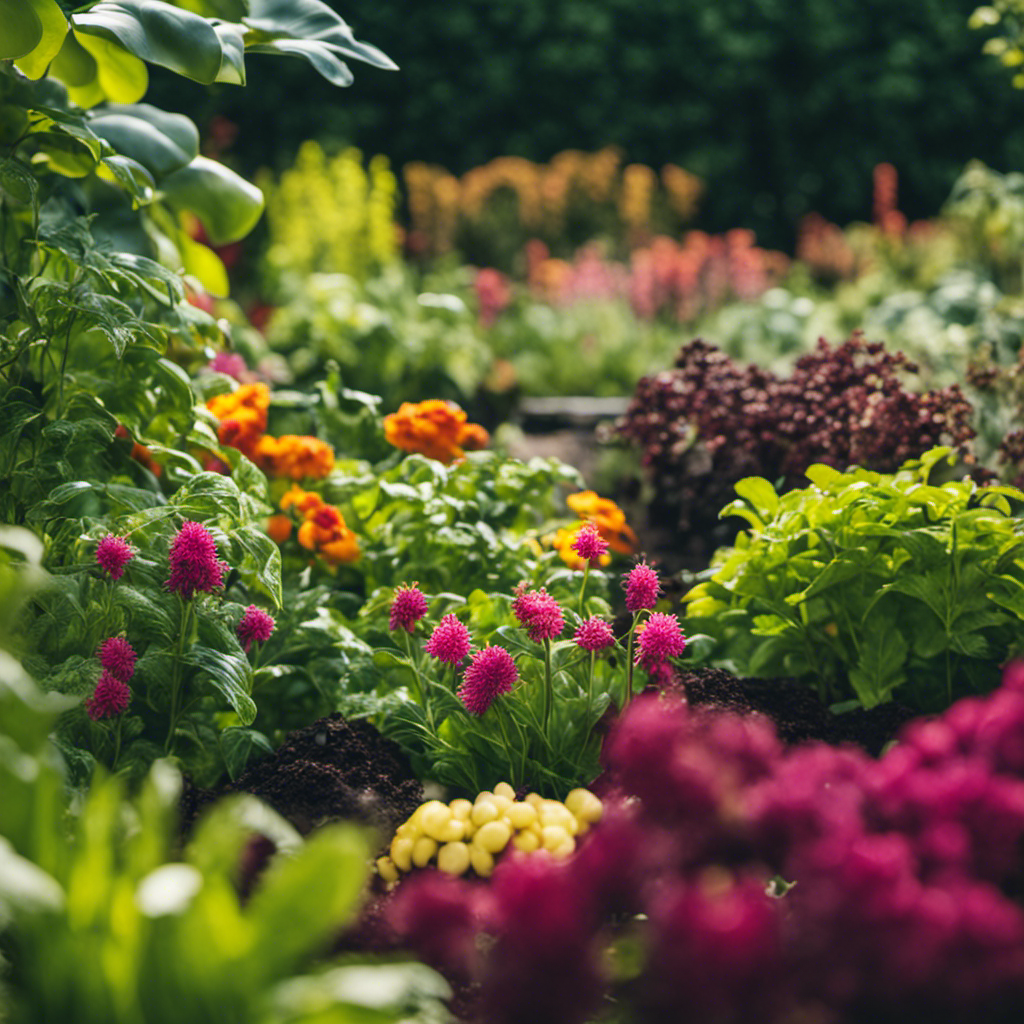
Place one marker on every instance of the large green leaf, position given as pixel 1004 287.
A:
pixel 159 33
pixel 142 141
pixel 22 29
pixel 230 674
pixel 54 27
pixel 121 76
pixel 227 204
pixel 323 56
pixel 232 42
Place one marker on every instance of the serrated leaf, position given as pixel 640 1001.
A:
pixel 260 567
pixel 240 746
pixel 880 668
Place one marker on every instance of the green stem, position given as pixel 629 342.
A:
pixel 186 622
pixel 590 704
pixel 583 585
pixel 117 743
pixel 421 690
pixel 629 664
pixel 549 691
pixel 505 739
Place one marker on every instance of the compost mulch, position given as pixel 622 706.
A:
pixel 796 712
pixel 332 770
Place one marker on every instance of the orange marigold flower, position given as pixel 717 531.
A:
pixel 294 456
pixel 279 528
pixel 325 532
pixel 609 519
pixel 243 416
pixel 302 501
pixel 434 428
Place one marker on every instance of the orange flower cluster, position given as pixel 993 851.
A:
pixel 140 453
pixel 609 519
pixel 438 201
pixel 243 416
pixel 322 528
pixel 294 456
pixel 434 428
pixel 243 422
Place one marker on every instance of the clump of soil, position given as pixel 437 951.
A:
pixel 332 770
pixel 795 710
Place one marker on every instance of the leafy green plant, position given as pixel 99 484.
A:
pixel 102 920
pixel 870 586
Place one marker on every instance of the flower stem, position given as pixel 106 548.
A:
pixel 583 585
pixel 186 622
pixel 629 664
pixel 549 693
pixel 117 743
pixel 504 736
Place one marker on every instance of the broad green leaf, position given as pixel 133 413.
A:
pixel 130 175
pixel 226 203
pixel 240 746
pixel 25 888
pixel 22 29
pixel 232 63
pixel 157 32
pixel 54 27
pixel 230 674
pixel 312 20
pixel 49 119
pixel 260 567
pixel 122 77
pixel 202 263
pixel 142 141
pixel 760 494
pixel 880 669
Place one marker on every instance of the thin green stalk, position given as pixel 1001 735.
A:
pixel 583 585
pixel 505 739
pixel 117 743
pixel 629 663
pixel 549 690
pixel 186 623
pixel 590 704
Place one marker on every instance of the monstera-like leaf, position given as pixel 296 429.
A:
pixel 161 142
pixel 227 205
pixel 33 31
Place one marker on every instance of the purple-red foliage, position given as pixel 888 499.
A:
pixel 909 872
pixel 709 421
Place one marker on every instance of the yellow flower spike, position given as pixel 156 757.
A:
pixel 493 836
pixel 423 851
pixel 453 858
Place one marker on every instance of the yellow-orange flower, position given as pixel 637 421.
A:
pixel 243 416
pixel 434 428
pixel 609 519
pixel 279 528
pixel 325 532
pixel 294 456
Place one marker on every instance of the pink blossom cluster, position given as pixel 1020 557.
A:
pixel 538 613
pixel 908 873
pixel 193 561
pixel 493 294
pixel 112 694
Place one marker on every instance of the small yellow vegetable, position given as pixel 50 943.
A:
pixel 423 851
pixel 564 850
pixel 386 869
pixel 501 802
pixel 553 836
pixel 521 815
pixel 526 842
pixel 482 861
pixel 584 805
pixel 483 812
pixel 401 852
pixel 505 790
pixel 453 858
pixel 493 836
pixel 534 798
pixel 452 832
pixel 434 818
pixel 461 809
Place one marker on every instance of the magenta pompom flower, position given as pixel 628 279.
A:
pixel 538 612
pixel 594 635
pixel 117 657
pixel 407 608
pixel 589 544
pixel 642 587
pixel 449 642
pixel 113 554
pixel 661 638
pixel 491 672
pixel 255 627
pixel 110 698
pixel 194 565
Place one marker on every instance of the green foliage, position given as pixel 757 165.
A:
pixel 821 91
pixel 871 586
pixel 101 921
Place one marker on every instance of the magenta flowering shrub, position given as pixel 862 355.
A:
pixel 735 880
pixel 518 692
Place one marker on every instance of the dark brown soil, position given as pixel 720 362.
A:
pixel 332 770
pixel 795 710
